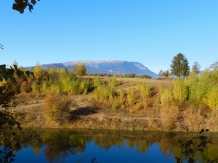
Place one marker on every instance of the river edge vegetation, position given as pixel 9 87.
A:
pixel 57 97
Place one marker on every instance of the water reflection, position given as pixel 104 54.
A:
pixel 103 146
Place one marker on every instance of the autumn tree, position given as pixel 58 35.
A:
pixel 196 67
pixel 212 100
pixel 180 90
pixel 179 66
pixel 166 96
pixel 80 69
pixel 37 71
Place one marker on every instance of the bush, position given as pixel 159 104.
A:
pixel 57 108
pixel 166 97
pixel 145 77
pixel 24 87
pixel 103 92
pixel 130 75
pixel 113 81
pixel 97 81
pixel 144 89
pixel 130 95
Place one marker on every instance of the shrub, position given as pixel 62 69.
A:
pixel 120 94
pixel 130 75
pixel 145 77
pixel 113 81
pixel 166 97
pixel 85 86
pixel 74 85
pixel 145 90
pixel 35 88
pixel 103 92
pixel 115 103
pixel 130 95
pixel 55 88
pixel 97 81
pixel 44 88
pixel 24 87
pixel 57 108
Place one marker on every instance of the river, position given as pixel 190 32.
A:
pixel 106 146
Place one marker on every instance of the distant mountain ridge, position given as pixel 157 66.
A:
pixel 107 67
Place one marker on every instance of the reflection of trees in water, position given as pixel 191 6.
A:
pixel 107 141
pixel 61 144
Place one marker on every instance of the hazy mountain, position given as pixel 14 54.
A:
pixel 107 67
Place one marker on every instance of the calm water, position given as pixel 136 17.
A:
pixel 66 146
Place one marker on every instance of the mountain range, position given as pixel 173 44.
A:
pixel 106 67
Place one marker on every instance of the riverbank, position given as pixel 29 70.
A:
pixel 129 107
pixel 88 113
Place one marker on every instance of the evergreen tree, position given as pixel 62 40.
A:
pixel 179 66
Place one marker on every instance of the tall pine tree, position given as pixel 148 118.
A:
pixel 179 66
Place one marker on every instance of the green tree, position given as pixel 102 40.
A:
pixel 179 66
pixel 166 73
pixel 80 69
pixel 214 66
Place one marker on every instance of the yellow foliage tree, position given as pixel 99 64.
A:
pixel 37 71
pixel 166 96
pixel 80 69
pixel 180 90
pixel 212 100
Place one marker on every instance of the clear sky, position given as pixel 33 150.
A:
pixel 147 31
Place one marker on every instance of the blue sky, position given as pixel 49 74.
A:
pixel 147 31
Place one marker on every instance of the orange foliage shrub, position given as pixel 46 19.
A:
pixel 57 108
